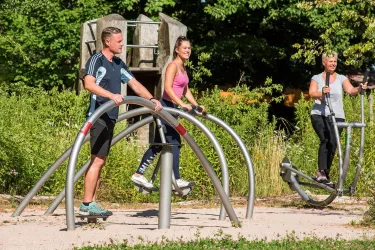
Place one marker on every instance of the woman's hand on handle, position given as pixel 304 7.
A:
pixel 326 90
pixel 187 107
pixel 203 109
pixel 363 86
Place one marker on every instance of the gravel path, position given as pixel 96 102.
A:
pixel 31 230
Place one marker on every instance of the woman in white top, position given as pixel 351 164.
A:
pixel 320 114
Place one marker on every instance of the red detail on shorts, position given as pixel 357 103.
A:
pixel 86 128
pixel 180 129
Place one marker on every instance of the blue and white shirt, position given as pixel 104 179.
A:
pixel 109 76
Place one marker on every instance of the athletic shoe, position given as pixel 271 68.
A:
pixel 95 209
pixel 321 177
pixel 182 183
pixel 141 180
pixel 83 209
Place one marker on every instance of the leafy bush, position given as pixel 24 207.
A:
pixel 40 125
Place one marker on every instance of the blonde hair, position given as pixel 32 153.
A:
pixel 327 55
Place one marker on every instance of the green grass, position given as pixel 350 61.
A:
pixel 226 242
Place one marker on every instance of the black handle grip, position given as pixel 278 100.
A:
pixel 328 74
pixel 197 108
pixel 365 76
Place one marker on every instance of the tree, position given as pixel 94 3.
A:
pixel 39 40
pixel 241 40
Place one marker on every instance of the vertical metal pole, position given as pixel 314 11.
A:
pixel 166 158
pixel 347 154
pixel 163 140
pixel 362 140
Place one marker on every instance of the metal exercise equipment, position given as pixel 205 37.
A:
pixel 319 194
pixel 69 198
pixel 142 111
pixel 119 137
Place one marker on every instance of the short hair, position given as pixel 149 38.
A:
pixel 325 55
pixel 107 32
pixel 179 40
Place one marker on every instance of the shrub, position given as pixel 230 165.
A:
pixel 38 126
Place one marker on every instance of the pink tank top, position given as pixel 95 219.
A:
pixel 180 82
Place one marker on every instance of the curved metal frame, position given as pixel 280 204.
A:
pixel 69 199
pixel 133 127
pixel 127 115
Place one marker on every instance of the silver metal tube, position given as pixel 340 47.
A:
pixel 144 22
pixel 82 170
pixel 69 186
pixel 163 140
pixel 347 153
pixel 361 145
pixel 69 200
pixel 166 158
pixel 215 143
pixel 249 164
pixel 142 46
pixel 289 167
pixel 351 124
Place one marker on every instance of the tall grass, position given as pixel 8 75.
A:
pixel 267 154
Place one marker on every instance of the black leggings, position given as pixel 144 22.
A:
pixel 328 144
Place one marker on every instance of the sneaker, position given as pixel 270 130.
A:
pixel 182 183
pixel 83 209
pixel 141 180
pixel 94 209
pixel 321 177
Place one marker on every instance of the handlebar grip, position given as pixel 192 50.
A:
pixel 199 108
pixel 328 74
pixel 365 76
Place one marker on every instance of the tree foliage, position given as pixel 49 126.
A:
pixel 239 40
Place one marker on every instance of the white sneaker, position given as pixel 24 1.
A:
pixel 182 183
pixel 141 180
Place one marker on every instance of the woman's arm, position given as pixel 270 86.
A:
pixel 348 87
pixel 316 93
pixel 189 96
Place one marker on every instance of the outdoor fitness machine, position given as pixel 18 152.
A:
pixel 319 194
pixel 165 162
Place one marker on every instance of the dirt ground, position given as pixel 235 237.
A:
pixel 273 219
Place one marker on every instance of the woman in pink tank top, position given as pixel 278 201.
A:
pixel 175 86
pixel 176 78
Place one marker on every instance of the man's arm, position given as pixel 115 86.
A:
pixel 90 85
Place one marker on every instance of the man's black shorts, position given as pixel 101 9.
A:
pixel 101 134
